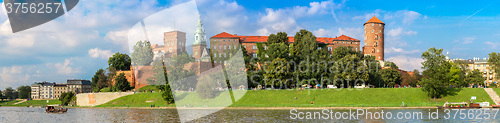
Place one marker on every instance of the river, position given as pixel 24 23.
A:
pixel 92 115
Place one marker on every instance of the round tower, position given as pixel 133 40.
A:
pixel 374 38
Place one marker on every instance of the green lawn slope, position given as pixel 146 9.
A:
pixel 369 97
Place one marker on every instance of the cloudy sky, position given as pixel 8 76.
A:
pixel 78 43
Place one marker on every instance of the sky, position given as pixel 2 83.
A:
pixel 80 42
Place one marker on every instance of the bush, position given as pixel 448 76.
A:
pixel 108 89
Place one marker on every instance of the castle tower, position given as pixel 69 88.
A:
pixel 175 42
pixel 374 38
pixel 200 42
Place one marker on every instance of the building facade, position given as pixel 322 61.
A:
pixel 374 38
pixel 485 68
pixel 221 43
pixel 58 90
pixel 35 91
pixel 79 86
pixel 46 90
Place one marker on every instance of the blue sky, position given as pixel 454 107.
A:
pixel 78 43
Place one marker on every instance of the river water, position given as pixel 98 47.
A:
pixel 92 115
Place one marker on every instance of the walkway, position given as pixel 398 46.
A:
pixel 20 102
pixel 493 95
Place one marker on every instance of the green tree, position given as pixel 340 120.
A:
pixel 10 93
pixel 436 72
pixel 142 53
pixel 24 92
pixel 494 62
pixel 120 61
pixel 304 45
pixel 67 98
pixel 277 50
pixel 457 76
pixel 280 37
pixel 178 73
pixel 99 81
pixel 121 83
pixel 475 77
pixel 276 73
pixel 390 64
pixel 390 76
pixel 205 88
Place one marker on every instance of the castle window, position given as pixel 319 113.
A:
pixel 234 46
pixel 220 54
pixel 372 30
pixel 224 40
pixel 376 37
pixel 220 47
pixel 356 49
pixel 329 48
pixel 373 24
pixel 265 47
pixel 377 51
pixel 254 55
pixel 254 47
pixel 224 46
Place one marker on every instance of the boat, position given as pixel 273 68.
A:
pixel 460 105
pixel 53 109
pixel 495 106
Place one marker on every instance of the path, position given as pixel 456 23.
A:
pixel 493 95
pixel 20 102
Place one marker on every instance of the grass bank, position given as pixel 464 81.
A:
pixel 370 97
pixel 30 102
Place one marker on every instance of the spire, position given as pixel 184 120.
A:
pixel 199 34
pixel 374 20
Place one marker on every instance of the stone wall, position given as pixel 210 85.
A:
pixel 94 99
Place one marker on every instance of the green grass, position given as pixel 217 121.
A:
pixel 31 102
pixel 148 87
pixel 137 100
pixel 337 98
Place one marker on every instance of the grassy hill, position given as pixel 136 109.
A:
pixel 370 97
pixel 30 102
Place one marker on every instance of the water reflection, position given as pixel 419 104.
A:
pixel 78 115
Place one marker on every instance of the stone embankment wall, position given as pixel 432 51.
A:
pixel 94 99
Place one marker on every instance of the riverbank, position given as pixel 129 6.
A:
pixel 323 98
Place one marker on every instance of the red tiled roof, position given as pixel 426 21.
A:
pixel 374 20
pixel 290 38
pixel 223 35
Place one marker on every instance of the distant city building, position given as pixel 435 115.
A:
pixel 46 90
pixel 35 91
pixel 59 89
pixel 79 86
pixel 485 68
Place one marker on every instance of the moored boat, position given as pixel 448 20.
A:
pixel 460 105
pixel 52 109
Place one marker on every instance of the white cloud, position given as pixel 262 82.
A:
pixel 468 40
pixel 393 50
pixel 321 32
pixel 280 20
pixel 96 53
pixel 357 33
pixel 64 67
pixel 410 16
pixel 493 44
pixel 399 32
pixel 407 63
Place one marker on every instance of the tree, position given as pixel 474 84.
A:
pixel 67 98
pixel 390 76
pixel 142 53
pixel 24 92
pixel 277 50
pixel 457 76
pixel 494 62
pixel 100 80
pixel 121 83
pixel 390 64
pixel 475 77
pixel 436 72
pixel 10 93
pixel 205 88
pixel 276 73
pixel 280 37
pixel 179 78
pixel 304 45
pixel 120 61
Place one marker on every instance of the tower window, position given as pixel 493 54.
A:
pixel 196 38
pixel 254 47
pixel 372 30
pixel 373 24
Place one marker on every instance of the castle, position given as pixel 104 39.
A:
pixel 222 46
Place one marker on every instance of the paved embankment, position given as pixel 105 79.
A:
pixel 493 95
